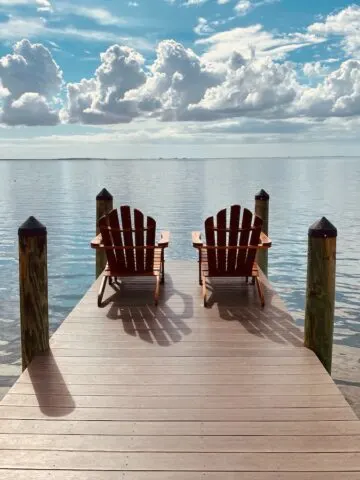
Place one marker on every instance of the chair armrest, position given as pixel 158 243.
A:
pixel 164 239
pixel 97 241
pixel 196 239
pixel 265 240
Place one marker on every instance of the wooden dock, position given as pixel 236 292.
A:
pixel 177 393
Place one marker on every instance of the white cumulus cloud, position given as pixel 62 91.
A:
pixel 177 79
pixel 345 24
pixel 101 99
pixel 30 109
pixel 30 68
pixel 257 87
pixel 31 77
pixel 315 69
pixel 338 95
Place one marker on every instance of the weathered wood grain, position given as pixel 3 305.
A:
pixel 179 428
pixel 33 279
pixel 158 443
pixel 171 475
pixel 320 291
pixel 130 401
pixel 175 390
pixel 154 461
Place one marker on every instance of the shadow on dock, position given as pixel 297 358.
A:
pixel 160 325
pixel 50 406
pixel 236 304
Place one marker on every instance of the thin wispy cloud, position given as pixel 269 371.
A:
pixel 98 15
pixel 16 28
pixel 243 7
pixel 42 5
pixel 254 40
pixel 189 3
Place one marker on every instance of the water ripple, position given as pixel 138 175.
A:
pixel 180 195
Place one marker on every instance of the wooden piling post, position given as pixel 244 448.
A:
pixel 262 211
pixel 320 294
pixel 104 204
pixel 34 310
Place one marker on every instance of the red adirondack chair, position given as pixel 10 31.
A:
pixel 130 248
pixel 231 247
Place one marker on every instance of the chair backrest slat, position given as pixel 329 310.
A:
pixel 107 241
pixel 244 239
pixel 150 242
pixel 139 239
pixel 254 241
pixel 128 238
pixel 210 240
pixel 221 240
pixel 233 237
pixel 113 219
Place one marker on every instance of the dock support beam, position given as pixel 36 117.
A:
pixel 262 211
pixel 104 204
pixel 33 279
pixel 320 292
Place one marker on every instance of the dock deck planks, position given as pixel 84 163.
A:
pixel 178 393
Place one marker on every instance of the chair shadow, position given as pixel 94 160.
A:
pixel 238 301
pixel 54 401
pixel 132 303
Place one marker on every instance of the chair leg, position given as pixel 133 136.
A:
pixel 102 290
pixel 203 283
pixel 157 290
pixel 260 291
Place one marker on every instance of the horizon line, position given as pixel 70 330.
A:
pixel 182 158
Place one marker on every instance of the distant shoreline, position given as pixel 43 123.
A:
pixel 180 158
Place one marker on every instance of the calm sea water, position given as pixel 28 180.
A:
pixel 180 194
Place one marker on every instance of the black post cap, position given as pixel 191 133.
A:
pixel 104 195
pixel 262 195
pixel 32 228
pixel 322 229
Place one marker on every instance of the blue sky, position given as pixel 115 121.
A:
pixel 179 78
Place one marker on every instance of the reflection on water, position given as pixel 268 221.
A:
pixel 180 195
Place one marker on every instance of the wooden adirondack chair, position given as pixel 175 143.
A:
pixel 230 248
pixel 130 248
